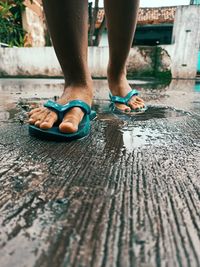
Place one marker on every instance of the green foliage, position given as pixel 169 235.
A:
pixel 11 31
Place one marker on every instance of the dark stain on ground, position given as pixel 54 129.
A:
pixel 127 195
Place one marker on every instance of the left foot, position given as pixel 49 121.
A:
pixel 121 87
pixel 45 118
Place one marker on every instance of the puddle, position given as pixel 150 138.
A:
pixel 140 136
pixel 153 112
pixel 136 136
pixel 135 133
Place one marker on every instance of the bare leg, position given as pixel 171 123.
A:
pixel 68 25
pixel 121 18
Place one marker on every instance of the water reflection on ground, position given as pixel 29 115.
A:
pixel 139 137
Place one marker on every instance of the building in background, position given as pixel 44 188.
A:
pixel 34 24
pixel 194 2
pixel 155 26
pixel 197 2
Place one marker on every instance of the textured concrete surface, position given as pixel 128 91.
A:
pixel 128 195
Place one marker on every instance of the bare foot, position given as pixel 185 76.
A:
pixel 45 118
pixel 120 87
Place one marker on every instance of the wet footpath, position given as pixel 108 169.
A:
pixel 128 195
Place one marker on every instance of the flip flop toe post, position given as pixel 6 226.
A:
pixel 54 132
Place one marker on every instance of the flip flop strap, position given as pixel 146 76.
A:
pixel 61 110
pixel 123 100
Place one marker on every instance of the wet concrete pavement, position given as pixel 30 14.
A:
pixel 128 195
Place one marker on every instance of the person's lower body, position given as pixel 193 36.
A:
pixel 68 25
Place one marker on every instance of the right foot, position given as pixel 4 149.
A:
pixel 45 118
pixel 119 86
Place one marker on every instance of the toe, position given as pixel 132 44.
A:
pixel 136 103
pixel 41 118
pixel 138 99
pixel 71 120
pixel 36 116
pixel 33 111
pixel 69 126
pixel 139 104
pixel 48 121
pixel 133 105
pixel 33 118
pixel 123 107
pixel 31 121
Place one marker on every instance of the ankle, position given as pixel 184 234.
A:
pixel 116 76
pixel 83 91
pixel 118 84
pixel 86 83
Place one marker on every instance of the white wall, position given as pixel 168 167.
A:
pixel 43 62
pixel 186 39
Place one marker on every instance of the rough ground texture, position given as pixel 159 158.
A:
pixel 126 196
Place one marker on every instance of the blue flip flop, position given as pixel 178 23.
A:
pixel 54 133
pixel 125 100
